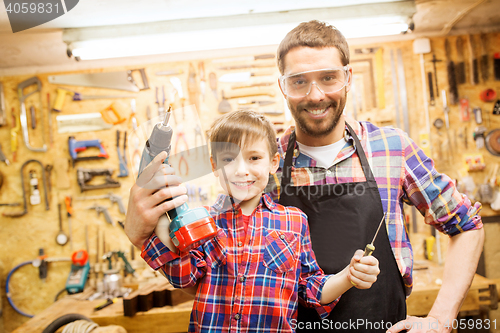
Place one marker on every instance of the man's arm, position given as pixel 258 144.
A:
pixel 149 199
pixel 443 207
pixel 464 250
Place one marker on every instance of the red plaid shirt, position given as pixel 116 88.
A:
pixel 248 282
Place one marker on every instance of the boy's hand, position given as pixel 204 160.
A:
pixel 363 271
pixel 147 202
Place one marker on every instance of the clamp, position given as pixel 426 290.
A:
pixel 25 205
pixel 23 116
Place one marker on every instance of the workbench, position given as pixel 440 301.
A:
pixel 481 297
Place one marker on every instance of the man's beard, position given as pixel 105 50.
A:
pixel 320 127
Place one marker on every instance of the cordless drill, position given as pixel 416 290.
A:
pixel 188 228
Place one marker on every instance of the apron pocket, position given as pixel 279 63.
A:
pixel 280 254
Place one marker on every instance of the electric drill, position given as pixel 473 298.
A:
pixel 188 228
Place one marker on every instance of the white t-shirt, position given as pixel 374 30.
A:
pixel 324 155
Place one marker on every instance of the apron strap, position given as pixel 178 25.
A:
pixel 287 165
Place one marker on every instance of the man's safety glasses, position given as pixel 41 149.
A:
pixel 327 81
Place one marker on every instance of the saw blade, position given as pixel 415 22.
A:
pixel 110 80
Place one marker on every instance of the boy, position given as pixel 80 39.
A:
pixel 261 263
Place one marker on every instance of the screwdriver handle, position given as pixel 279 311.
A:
pixel 369 248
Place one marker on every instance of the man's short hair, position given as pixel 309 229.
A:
pixel 241 127
pixel 313 34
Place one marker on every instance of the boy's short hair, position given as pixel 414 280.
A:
pixel 241 126
pixel 313 34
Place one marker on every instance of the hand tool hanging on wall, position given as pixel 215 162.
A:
pixel 446 111
pixel 74 147
pixel 69 213
pixel 247 85
pixel 212 79
pixel 496 108
pixel 485 61
pixel 496 66
pixel 76 96
pixel 33 117
pixel 474 65
pixel 3 111
pixel 2 156
pixel 49 115
pixel 14 131
pixel 245 58
pixel 464 109
pixel 224 105
pixel 192 87
pixel 431 88
pixel 170 72
pixel 492 141
pixel 104 211
pixel 48 173
pixel 80 268
pixel 250 92
pixel 23 116
pixel 259 103
pixel 114 198
pixel 34 191
pixel 84 176
pixel 478 115
pixel 452 79
pixel 25 204
pixel 203 83
pixel 434 61
pixel 245 66
pixel 121 155
pixel 460 66
pixel 110 80
pixel 84 122
pixel 242 76
pixel 61 237
pixel 161 102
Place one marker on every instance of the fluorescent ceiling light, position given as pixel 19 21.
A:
pixel 164 37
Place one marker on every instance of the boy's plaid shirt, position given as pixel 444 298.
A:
pixel 404 174
pixel 247 282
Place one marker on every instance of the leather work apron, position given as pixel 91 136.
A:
pixel 344 218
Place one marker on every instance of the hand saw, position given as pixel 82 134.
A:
pixel 109 80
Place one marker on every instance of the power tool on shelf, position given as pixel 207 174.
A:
pixel 188 228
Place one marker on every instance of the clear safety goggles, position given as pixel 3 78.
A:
pixel 328 80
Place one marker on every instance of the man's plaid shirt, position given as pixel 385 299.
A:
pixel 404 174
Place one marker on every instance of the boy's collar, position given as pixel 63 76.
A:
pixel 225 203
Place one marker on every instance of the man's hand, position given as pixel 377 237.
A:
pixel 420 325
pixel 148 199
pixel 363 271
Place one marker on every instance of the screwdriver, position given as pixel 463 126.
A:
pixel 369 248
pixel 69 210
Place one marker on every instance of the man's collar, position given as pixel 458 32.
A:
pixel 356 126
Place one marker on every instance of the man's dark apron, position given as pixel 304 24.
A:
pixel 344 218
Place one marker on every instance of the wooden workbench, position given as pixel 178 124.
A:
pixel 170 319
pixel 482 296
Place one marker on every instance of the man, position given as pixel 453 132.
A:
pixel 344 175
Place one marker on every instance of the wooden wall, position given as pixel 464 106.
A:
pixel 23 236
